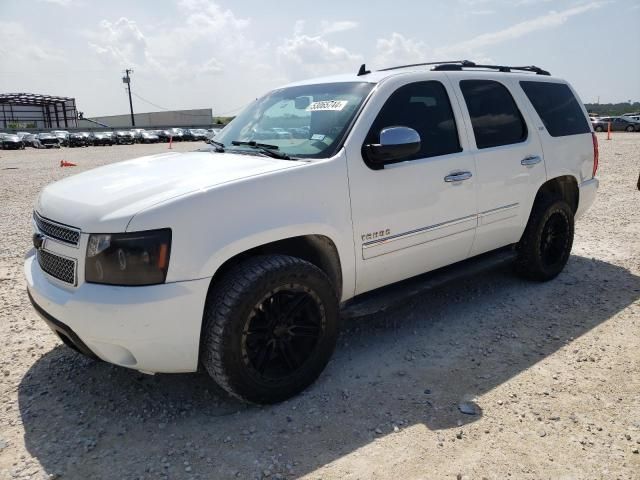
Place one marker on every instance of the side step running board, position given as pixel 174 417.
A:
pixel 383 298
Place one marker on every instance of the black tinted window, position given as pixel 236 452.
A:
pixel 495 117
pixel 425 107
pixel 557 107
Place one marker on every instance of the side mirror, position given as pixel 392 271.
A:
pixel 396 143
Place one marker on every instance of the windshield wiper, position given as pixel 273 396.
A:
pixel 271 150
pixel 219 146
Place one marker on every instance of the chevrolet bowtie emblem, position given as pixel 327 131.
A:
pixel 38 240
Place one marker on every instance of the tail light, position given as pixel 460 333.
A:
pixel 596 153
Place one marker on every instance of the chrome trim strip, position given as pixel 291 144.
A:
pixel 498 209
pixel 418 231
pixel 437 226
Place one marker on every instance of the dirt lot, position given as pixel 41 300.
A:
pixel 552 371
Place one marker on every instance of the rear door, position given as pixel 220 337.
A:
pixel 508 155
pixel 563 128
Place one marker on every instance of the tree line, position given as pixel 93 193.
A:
pixel 612 109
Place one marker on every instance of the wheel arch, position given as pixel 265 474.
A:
pixel 562 187
pixel 317 249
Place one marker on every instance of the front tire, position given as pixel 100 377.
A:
pixel 270 327
pixel 630 128
pixel 546 243
pixel 599 128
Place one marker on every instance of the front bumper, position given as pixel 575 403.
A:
pixel 587 195
pixel 153 329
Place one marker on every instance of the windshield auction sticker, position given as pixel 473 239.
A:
pixel 327 105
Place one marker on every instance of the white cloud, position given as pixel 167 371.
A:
pixel 122 42
pixel 303 54
pixel 61 3
pixel 183 47
pixel 327 28
pixel 398 49
pixel 306 55
pixel 17 46
pixel 550 20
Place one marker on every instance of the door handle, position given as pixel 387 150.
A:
pixel 531 160
pixel 458 177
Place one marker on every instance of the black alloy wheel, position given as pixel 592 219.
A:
pixel 282 332
pixel 270 327
pixel 554 238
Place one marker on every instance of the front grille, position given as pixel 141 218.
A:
pixel 55 230
pixel 58 267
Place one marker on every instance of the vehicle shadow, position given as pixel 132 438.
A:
pixel 407 366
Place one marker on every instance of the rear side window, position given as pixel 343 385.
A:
pixel 495 117
pixel 557 107
pixel 425 107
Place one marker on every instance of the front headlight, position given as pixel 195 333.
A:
pixel 139 258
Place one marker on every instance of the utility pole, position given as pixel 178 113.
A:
pixel 126 79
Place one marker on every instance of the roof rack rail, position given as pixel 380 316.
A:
pixel 462 64
pixel 457 62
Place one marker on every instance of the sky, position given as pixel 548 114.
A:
pixel 223 54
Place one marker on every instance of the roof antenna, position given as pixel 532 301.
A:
pixel 363 70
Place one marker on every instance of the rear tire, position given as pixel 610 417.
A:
pixel 599 128
pixel 630 128
pixel 546 243
pixel 270 327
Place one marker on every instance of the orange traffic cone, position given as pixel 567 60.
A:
pixel 64 163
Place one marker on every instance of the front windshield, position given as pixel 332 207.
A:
pixel 303 121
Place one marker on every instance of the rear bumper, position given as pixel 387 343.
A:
pixel 587 196
pixel 153 329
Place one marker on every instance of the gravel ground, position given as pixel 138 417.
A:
pixel 548 373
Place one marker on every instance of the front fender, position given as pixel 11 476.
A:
pixel 211 226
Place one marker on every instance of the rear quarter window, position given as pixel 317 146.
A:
pixel 557 107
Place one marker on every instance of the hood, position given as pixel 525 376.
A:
pixel 104 200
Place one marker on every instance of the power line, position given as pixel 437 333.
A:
pixel 149 102
pixel 188 114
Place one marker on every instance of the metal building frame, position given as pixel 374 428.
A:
pixel 43 111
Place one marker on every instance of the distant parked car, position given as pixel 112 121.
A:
pixel 599 124
pixel 46 140
pixel 10 141
pixel 29 140
pixel 163 135
pixel 621 124
pixel 148 137
pixel 77 139
pixel 137 132
pixel 198 134
pixel 187 136
pixel 63 137
pixel 100 138
pixel 123 137
pixel 177 134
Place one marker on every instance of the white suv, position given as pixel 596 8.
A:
pixel 239 257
